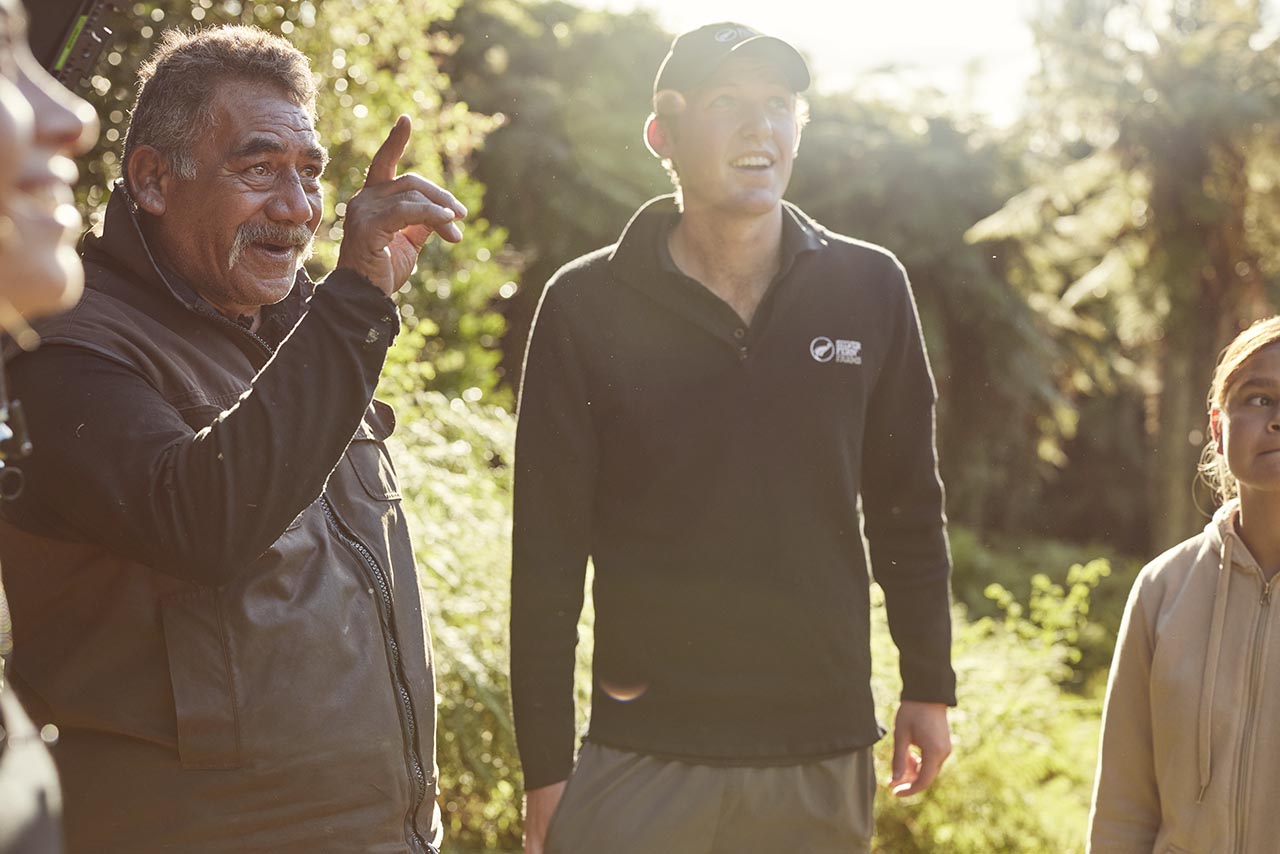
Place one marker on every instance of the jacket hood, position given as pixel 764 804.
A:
pixel 1222 527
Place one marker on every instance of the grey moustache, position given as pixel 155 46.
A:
pixel 281 235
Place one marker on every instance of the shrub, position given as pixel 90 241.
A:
pixel 453 461
pixel 1014 563
pixel 1020 776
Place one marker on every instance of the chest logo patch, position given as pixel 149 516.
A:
pixel 844 352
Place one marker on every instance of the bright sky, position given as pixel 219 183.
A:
pixel 981 50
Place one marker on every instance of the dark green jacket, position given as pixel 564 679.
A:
pixel 211 577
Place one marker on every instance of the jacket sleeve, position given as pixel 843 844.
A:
pixel 116 464
pixel 1125 815
pixel 902 505
pixel 554 486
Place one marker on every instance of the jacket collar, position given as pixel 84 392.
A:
pixel 1221 530
pixel 122 247
pixel 635 257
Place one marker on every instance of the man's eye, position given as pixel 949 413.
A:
pixel 780 104
pixel 260 169
pixel 310 172
pixel 724 102
pixel 1258 400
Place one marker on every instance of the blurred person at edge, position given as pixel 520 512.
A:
pixel 703 404
pixel 209 568
pixel 1187 759
pixel 41 126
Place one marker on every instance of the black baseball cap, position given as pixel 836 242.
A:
pixel 696 54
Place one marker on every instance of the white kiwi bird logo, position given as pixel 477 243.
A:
pixel 822 348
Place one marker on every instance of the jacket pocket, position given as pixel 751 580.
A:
pixel 199 670
pixel 369 457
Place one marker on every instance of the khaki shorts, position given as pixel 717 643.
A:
pixel 618 802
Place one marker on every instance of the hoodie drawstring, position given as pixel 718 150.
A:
pixel 1203 749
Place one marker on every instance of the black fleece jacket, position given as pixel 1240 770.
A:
pixel 712 472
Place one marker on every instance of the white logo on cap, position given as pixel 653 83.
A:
pixel 729 34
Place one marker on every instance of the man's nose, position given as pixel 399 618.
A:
pixel 289 201
pixel 755 122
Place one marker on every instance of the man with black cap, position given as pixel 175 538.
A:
pixel 713 408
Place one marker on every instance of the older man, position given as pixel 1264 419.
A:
pixel 704 404
pixel 209 568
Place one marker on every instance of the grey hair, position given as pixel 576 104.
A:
pixel 177 85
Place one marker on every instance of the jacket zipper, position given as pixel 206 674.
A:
pixel 1246 740
pixel 384 594
pixel 267 349
pixel 383 587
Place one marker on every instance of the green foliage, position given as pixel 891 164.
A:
pixel 367 73
pixel 453 461
pixel 993 574
pixel 567 167
pixel 1145 240
pixel 1020 776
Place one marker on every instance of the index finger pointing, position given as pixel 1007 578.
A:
pixel 382 167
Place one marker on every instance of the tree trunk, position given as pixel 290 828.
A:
pixel 1192 341
pixel 1203 244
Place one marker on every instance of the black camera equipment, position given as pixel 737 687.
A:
pixel 68 36
pixel 14 443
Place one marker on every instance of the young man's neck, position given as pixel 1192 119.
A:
pixel 1257 526
pixel 734 257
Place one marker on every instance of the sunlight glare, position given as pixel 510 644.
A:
pixel 980 53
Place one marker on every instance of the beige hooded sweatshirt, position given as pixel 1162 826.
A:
pixel 1190 755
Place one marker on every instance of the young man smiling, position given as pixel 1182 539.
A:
pixel 704 404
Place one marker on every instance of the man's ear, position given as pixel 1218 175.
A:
pixel 800 113
pixel 148 177
pixel 1215 427
pixel 657 137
